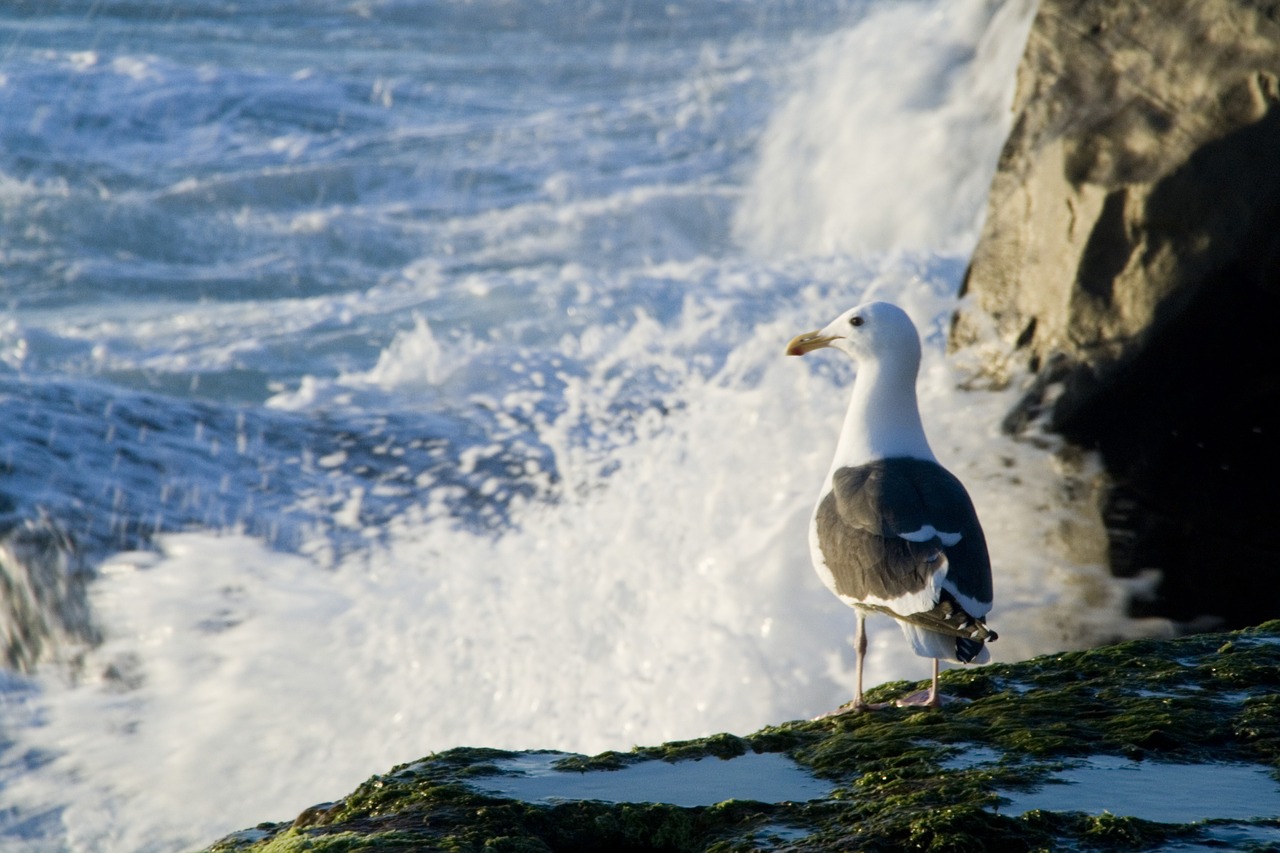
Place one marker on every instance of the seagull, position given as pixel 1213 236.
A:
pixel 893 531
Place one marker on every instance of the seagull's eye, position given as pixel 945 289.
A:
pixel 855 320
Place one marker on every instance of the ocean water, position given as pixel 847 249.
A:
pixel 378 377
pixel 766 777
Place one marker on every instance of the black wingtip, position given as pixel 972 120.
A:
pixel 967 650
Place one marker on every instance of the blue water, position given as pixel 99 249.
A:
pixel 764 777
pixel 380 377
pixel 203 207
pixel 1166 793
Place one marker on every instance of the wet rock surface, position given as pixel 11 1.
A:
pixel 952 779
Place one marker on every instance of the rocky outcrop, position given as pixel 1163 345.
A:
pixel 1130 261
pixel 1177 719
pixel 44 602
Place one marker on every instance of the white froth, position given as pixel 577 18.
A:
pixel 908 101
pixel 629 612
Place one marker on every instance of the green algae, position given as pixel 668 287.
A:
pixel 342 842
pixel 905 779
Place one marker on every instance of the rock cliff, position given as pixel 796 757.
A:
pixel 1130 261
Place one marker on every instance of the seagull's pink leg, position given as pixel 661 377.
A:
pixel 927 699
pixel 860 654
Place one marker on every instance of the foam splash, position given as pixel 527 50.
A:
pixel 924 87
pixel 414 357
pixel 671 599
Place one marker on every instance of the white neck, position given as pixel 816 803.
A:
pixel 883 420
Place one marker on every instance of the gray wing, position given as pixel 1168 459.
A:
pixel 862 521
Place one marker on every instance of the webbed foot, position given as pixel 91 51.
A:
pixel 928 699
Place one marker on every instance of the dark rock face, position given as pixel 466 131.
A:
pixel 1131 261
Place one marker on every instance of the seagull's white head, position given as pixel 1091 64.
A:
pixel 875 332
pixel 883 420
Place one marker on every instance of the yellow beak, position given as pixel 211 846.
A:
pixel 807 342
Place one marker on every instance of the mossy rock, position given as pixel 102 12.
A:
pixel 901 779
